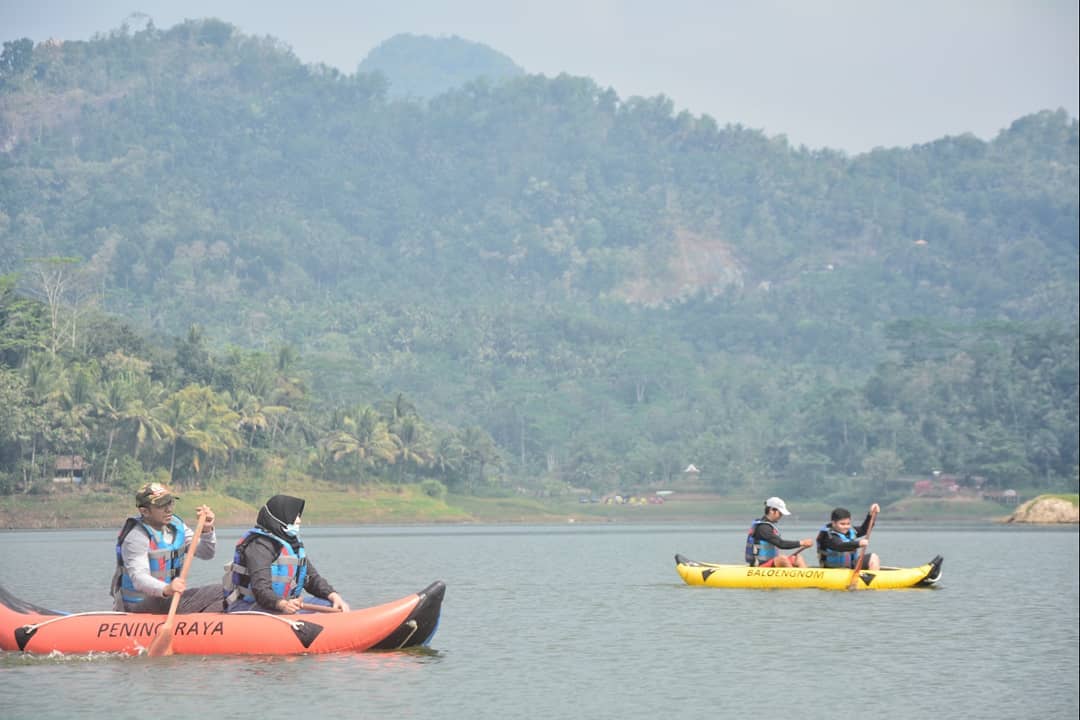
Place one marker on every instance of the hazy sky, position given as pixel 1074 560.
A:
pixel 846 74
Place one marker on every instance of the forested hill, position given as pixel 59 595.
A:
pixel 608 288
pixel 422 67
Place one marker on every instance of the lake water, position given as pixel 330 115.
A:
pixel 593 622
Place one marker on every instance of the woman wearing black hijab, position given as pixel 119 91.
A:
pixel 270 569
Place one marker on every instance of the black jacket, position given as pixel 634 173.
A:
pixel 828 541
pixel 259 555
pixel 765 531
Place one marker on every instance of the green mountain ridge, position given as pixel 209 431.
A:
pixel 599 283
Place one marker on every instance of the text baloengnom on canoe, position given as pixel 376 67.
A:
pixel 744 576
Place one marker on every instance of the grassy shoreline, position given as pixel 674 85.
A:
pixel 407 505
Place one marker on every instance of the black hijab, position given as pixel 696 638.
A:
pixel 279 511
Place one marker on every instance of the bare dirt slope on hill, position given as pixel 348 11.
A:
pixel 1046 509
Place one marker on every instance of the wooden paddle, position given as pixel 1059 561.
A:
pixel 162 644
pixel 315 607
pixel 862 555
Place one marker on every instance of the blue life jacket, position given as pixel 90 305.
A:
pixel 759 551
pixel 829 558
pixel 288 572
pixel 166 559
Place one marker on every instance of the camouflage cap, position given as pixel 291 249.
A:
pixel 154 494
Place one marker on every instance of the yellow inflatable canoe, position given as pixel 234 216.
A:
pixel 744 576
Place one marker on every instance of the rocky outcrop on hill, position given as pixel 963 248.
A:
pixel 1046 509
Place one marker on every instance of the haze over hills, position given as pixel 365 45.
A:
pixel 423 67
pixel 605 287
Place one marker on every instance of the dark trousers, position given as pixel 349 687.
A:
pixel 206 598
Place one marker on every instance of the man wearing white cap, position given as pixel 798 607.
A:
pixel 763 542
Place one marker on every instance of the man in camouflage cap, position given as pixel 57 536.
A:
pixel 150 551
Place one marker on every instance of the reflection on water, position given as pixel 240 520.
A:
pixel 594 622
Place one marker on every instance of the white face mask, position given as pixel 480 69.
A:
pixel 291 529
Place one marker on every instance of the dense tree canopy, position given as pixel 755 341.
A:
pixel 254 254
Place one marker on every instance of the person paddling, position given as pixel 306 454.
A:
pixel 150 551
pixel 839 545
pixel 270 568
pixel 763 542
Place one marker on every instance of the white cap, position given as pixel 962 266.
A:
pixel 777 503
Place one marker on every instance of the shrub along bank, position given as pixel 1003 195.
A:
pixel 390 505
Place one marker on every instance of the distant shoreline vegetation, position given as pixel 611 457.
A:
pixel 526 286
pixel 389 506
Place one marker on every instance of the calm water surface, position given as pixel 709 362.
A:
pixel 594 622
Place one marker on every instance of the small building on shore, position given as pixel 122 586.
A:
pixel 69 469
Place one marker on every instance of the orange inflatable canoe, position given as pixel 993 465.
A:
pixel 407 622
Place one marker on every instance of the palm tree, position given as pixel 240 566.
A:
pixel 213 437
pixel 112 402
pixel 449 459
pixel 364 437
pixel 174 415
pixel 201 421
pixel 254 416
pixel 138 418
pixel 480 452
pixel 397 410
pixel 42 376
pixel 75 408
pixel 216 430
pixel 413 446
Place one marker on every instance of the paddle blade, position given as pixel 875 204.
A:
pixel 162 644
